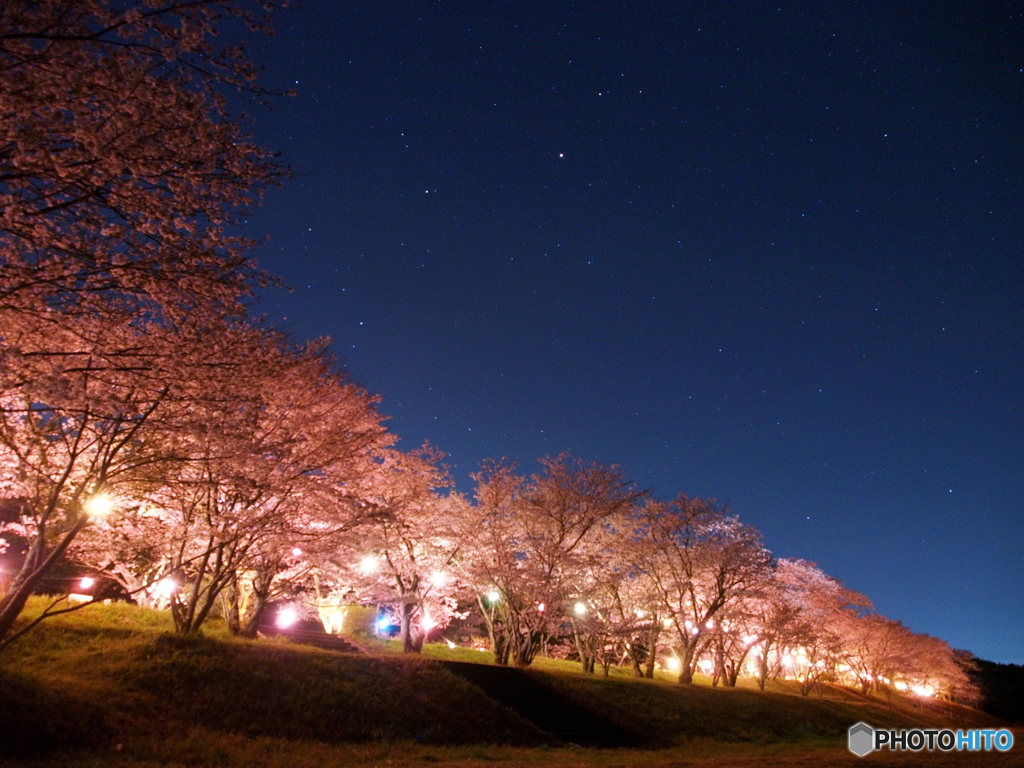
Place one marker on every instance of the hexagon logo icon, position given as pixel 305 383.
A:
pixel 861 739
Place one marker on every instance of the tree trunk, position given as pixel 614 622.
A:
pixel 687 663
pixel 253 616
pixel 652 647
pixel 529 645
pixel 634 658
pixel 230 608
pixel 762 665
pixel 501 649
pixel 412 639
pixel 37 564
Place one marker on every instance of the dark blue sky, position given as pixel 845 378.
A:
pixel 766 253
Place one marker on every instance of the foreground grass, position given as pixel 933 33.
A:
pixel 197 748
pixel 112 686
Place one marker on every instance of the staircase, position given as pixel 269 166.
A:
pixel 320 639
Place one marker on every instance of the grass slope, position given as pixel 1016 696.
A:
pixel 111 686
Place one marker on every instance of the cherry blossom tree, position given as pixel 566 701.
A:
pixel 777 617
pixel 699 561
pixel 403 555
pixel 120 171
pixel 813 635
pixel 734 635
pixel 933 665
pixel 609 611
pixel 527 553
pixel 120 167
pixel 327 441
pixel 83 434
pixel 267 466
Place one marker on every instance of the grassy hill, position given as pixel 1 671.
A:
pixel 111 685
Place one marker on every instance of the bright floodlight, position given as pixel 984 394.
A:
pixel 580 608
pixel 165 587
pixel 493 596
pixel 86 582
pixel 427 622
pixel 286 617
pixel 672 664
pixel 369 564
pixel 296 552
pixel 99 505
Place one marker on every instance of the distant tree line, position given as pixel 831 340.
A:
pixel 152 429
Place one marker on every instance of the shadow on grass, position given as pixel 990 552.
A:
pixel 35 720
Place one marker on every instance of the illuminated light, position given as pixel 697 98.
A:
pixel 369 564
pixel 296 552
pixel 749 640
pixel 787 660
pixel 923 690
pixel 580 609
pixel 286 617
pixel 689 625
pixel 100 505
pixel 332 617
pixel 493 596
pixel 540 607
pixel 901 686
pixel 666 623
pixel 843 667
pixel 640 614
pixel 75 597
pixel 165 587
pixel 383 624
pixel 427 622
pixel 86 582
pixel 438 578
pixel 820 664
pixel 449 643
pixel 711 624
pixel 672 664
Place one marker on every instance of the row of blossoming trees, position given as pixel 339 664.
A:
pixel 155 432
pixel 576 558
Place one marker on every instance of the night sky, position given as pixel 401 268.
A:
pixel 769 254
